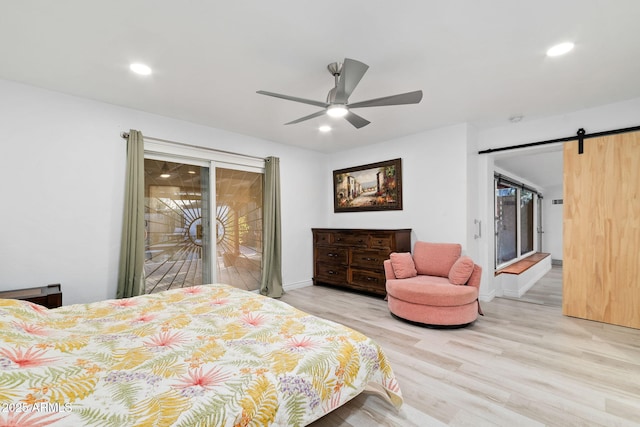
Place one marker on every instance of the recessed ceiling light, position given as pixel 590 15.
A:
pixel 324 128
pixel 141 69
pixel 560 49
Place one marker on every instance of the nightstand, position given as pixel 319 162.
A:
pixel 49 296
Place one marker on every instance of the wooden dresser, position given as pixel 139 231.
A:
pixel 352 258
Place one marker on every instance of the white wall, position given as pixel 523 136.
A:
pixel 603 118
pixel 598 119
pixel 434 182
pixel 62 177
pixel 552 222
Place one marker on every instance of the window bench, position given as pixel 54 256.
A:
pixel 517 278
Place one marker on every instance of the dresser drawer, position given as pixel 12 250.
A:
pixel 333 255
pixel 368 259
pixel 334 274
pixel 368 280
pixel 323 238
pixel 352 240
pixel 381 242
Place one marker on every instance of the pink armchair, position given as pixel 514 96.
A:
pixel 435 287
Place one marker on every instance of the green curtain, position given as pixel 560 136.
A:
pixel 131 270
pixel 272 243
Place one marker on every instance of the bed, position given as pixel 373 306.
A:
pixel 208 355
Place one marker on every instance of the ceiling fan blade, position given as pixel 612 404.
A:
pixel 310 116
pixel 401 99
pixel 350 76
pixel 293 98
pixel 357 121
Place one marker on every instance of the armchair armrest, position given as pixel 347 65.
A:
pixel 388 270
pixel 476 275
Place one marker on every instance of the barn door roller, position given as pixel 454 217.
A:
pixel 580 141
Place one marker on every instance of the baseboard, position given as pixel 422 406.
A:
pixel 297 285
pixel 486 297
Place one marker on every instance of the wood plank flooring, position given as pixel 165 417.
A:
pixel 520 365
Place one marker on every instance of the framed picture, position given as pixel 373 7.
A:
pixel 372 187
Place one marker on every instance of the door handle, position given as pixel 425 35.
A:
pixel 479 224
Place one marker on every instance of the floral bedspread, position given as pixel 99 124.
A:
pixel 209 355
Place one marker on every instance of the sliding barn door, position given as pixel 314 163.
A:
pixel 601 259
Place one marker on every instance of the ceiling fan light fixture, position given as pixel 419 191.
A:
pixel 337 111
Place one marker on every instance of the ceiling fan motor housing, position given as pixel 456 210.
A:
pixel 335 68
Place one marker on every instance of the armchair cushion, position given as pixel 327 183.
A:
pixel 461 271
pixel 403 266
pixel 435 259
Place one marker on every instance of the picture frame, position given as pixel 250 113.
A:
pixel 371 187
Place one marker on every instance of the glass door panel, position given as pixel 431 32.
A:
pixel 239 228
pixel 540 225
pixel 506 211
pixel 526 221
pixel 176 225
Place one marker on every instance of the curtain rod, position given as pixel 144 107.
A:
pixel 569 138
pixel 511 181
pixel 125 135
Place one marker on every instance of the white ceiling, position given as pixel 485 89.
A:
pixel 541 166
pixel 477 61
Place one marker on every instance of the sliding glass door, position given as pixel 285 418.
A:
pixel 239 228
pixel 203 224
pixel 515 221
pixel 177 235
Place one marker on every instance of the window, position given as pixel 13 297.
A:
pixel 514 220
pixel 506 220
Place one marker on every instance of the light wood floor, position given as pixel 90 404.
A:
pixel 521 364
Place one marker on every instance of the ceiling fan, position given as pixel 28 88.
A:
pixel 347 75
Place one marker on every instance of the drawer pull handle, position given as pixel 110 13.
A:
pixel 379 242
pixel 372 279
pixel 331 272
pixel 371 259
pixel 331 255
